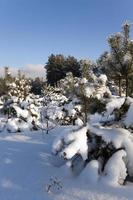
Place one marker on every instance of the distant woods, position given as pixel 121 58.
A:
pixel 58 66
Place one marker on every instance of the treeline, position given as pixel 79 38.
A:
pixel 117 64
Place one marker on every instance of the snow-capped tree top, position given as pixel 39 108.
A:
pixel 127 58
pixel 83 81
pixel 103 79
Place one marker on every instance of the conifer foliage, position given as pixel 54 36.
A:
pixel 118 63
pixel 58 66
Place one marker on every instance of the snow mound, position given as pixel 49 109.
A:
pixel 72 143
pixel 90 172
pixel 115 169
pixel 128 121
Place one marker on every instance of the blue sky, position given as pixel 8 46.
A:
pixel 30 30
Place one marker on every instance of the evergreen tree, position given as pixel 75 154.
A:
pixel 72 65
pixel 19 87
pixel 37 86
pixel 3 87
pixel 119 62
pixel 58 66
pixel 86 67
pixel 55 69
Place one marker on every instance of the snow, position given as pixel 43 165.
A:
pixel 90 173
pixel 97 90
pixel 74 142
pixel 128 121
pixel 19 168
pixel 56 166
pixel 115 169
pixel 97 118
pixel 54 112
pixel 83 81
pixel 1 104
pixel 129 100
pixel 58 142
pixel 114 103
pixel 89 90
pixel 26 169
pixel 70 108
pixel 15 124
pixel 21 112
pixel 127 58
pixel 115 135
pixel 78 144
pixel 103 79
pixel 12 126
pixel 120 138
pixel 79 122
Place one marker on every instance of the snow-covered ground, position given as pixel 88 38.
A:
pixel 26 166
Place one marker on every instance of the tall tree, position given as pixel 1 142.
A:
pixel 86 67
pixel 37 86
pixel 119 62
pixel 58 66
pixel 72 65
pixel 55 68
pixel 3 87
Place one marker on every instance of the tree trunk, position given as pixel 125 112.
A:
pixel 47 128
pixel 85 107
pixel 126 85
pixel 120 83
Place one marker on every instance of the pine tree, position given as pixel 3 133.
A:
pixel 118 63
pixel 19 87
pixel 58 66
pixel 55 69
pixel 86 67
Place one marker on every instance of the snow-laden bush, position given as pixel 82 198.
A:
pixel 91 101
pixel 111 148
pixel 73 143
pixel 118 110
pixel 42 112
pixel 124 113
pixel 22 113
pixel 69 104
pixel 19 87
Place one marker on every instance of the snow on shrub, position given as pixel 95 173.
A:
pixel 72 143
pixel 128 121
pixel 115 171
pixel 111 113
pixel 105 152
pixel 17 125
pixel 79 122
pixel 114 103
pixel 12 126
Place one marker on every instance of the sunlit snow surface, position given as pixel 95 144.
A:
pixel 27 165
